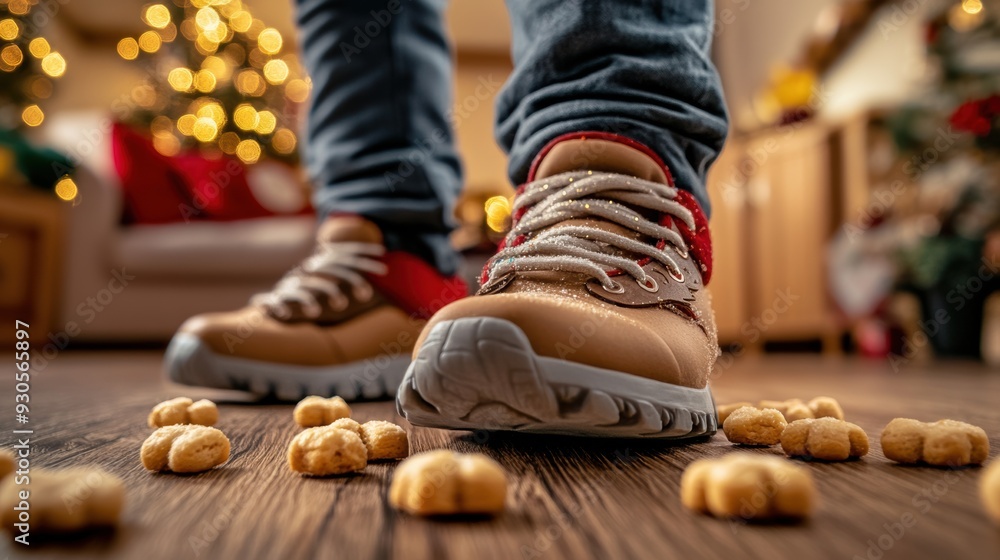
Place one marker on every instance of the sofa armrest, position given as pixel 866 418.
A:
pixel 94 218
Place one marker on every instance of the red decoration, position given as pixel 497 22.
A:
pixel 189 187
pixel 977 115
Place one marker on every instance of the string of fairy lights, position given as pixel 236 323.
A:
pixel 226 85
pixel 23 51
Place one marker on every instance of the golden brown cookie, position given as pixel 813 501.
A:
pixel 943 443
pixel 724 410
pixel 384 440
pixel 348 424
pixel 749 486
pixel 319 411
pixel 183 410
pixel 989 490
pixel 185 448
pixel 826 407
pixel 795 409
pixel 443 482
pixel 65 500
pixel 827 439
pixel 325 451
pixel 750 426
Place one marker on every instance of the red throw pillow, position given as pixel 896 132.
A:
pixel 217 189
pixel 152 192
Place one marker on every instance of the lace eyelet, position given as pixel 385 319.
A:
pixel 617 289
pixel 679 275
pixel 682 252
pixel 646 285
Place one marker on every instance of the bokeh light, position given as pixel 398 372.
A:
pixel 66 189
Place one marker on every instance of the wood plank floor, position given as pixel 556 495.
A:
pixel 568 498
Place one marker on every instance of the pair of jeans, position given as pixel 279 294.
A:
pixel 380 143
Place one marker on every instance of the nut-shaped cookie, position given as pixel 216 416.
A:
pixel 826 439
pixel 795 409
pixel 315 411
pixel 792 409
pixel 183 410
pixel 748 486
pixel 326 450
pixel 443 482
pixel 751 426
pixel 185 448
pixel 724 410
pixel 826 407
pixel 989 490
pixel 348 424
pixel 384 440
pixel 945 443
pixel 65 500
pixel 7 463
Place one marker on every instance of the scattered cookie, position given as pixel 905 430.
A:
pixel 792 409
pixel 943 443
pixel 826 407
pixel 384 440
pixel 749 486
pixel 183 410
pixel 989 490
pixel 750 426
pixel 185 448
pixel 348 424
pixel 7 463
pixel 443 482
pixel 326 450
pixel 795 409
pixel 63 501
pixel 827 439
pixel 724 410
pixel 315 411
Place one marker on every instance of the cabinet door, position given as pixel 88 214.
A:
pixel 790 201
pixel 727 189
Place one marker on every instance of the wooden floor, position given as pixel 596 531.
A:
pixel 568 498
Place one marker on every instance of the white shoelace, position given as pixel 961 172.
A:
pixel 341 260
pixel 587 249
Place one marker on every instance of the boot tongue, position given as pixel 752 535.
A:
pixel 348 229
pixel 594 154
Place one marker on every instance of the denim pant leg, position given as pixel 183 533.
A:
pixel 638 68
pixel 380 143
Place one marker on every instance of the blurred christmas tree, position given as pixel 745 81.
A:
pixel 218 79
pixel 27 66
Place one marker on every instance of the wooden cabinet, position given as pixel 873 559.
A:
pixel 30 239
pixel 777 199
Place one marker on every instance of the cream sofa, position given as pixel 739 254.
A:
pixel 138 283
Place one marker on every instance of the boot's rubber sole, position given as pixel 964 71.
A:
pixel 190 361
pixel 481 373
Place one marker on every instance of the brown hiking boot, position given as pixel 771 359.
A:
pixel 344 322
pixel 593 318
